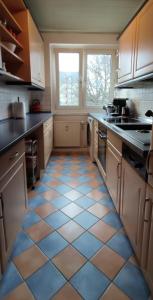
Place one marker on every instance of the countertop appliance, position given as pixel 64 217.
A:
pixel 102 142
pixel 119 104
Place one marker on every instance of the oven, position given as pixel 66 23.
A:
pixel 102 143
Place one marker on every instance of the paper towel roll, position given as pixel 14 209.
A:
pixel 19 110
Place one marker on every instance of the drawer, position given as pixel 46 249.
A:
pixel 8 159
pixel 114 140
pixel 48 124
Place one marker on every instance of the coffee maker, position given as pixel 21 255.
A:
pixel 120 105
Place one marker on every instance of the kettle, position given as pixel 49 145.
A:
pixel 110 108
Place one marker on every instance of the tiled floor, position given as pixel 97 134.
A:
pixel 72 245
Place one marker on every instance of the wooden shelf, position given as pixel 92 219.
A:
pixel 6 76
pixel 15 6
pixel 6 36
pixel 6 15
pixel 9 56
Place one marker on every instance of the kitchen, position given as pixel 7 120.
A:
pixel 76 140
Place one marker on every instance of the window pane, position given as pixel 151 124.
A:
pixel 98 85
pixel 69 79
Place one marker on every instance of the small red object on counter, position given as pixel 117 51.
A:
pixel 35 106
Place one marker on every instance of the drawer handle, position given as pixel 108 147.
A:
pixel 14 156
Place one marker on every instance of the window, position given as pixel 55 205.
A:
pixel 84 78
pixel 98 79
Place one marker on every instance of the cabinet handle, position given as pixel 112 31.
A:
pixel 147 210
pixel 118 170
pixel 14 156
pixel 148 162
pixel 2 205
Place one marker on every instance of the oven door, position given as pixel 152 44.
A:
pixel 102 141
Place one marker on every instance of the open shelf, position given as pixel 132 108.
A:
pixel 9 56
pixel 15 6
pixel 6 15
pixel 6 36
pixel 6 76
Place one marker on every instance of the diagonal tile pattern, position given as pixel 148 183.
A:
pixel 72 244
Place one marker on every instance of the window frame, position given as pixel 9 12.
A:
pixel 83 52
pixel 113 68
pixel 57 95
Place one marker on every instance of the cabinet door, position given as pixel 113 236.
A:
pixel 132 205
pixel 66 134
pixel 144 41
pixel 36 53
pixel 95 140
pixel 48 144
pixel 113 174
pixel 126 53
pixel 13 197
pixel 150 248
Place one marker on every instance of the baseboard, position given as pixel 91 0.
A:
pixel 65 150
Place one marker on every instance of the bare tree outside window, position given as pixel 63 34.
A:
pixel 98 83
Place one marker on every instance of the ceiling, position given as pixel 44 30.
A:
pixel 83 15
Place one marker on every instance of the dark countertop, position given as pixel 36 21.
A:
pixel 135 145
pixel 13 130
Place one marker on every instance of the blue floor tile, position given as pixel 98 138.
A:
pixel 36 201
pixel 65 178
pixel 45 178
pixel 120 243
pixel 103 188
pixel 84 189
pixel 57 219
pixel 11 279
pixel 131 281
pixel 87 244
pixel 62 188
pixel 113 219
pixel 30 218
pixel 107 202
pixel 84 179
pixel 52 244
pixel 85 202
pixel 85 219
pixel 90 282
pixel 42 188
pixel 60 202
pixel 45 282
pixel 22 243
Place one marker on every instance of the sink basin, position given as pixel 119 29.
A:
pixel 134 126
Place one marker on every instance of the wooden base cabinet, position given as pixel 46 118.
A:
pixel 13 197
pixel 113 173
pixel 47 139
pixel 147 245
pixel 133 189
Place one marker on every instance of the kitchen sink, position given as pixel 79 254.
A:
pixel 134 126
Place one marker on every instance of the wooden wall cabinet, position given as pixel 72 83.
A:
pixel 144 41
pixel 33 51
pixel 113 169
pixel 126 53
pixel 133 189
pixel 13 197
pixel 136 46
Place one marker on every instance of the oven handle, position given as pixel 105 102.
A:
pixel 101 135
